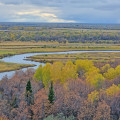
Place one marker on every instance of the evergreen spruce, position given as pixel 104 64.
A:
pixel 29 95
pixel 51 95
pixel 28 87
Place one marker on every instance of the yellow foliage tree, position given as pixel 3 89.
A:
pixel 83 66
pixel 38 73
pixel 117 70
pixel 113 90
pixel 46 74
pixel 94 77
pixel 93 96
pixel 105 68
pixel 68 71
pixel 56 71
pixel 110 74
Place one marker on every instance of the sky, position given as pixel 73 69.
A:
pixel 60 11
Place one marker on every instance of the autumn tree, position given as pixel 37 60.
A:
pixel 14 103
pixel 56 71
pixel 112 90
pixel 87 111
pixel 103 112
pixel 46 74
pixel 68 71
pixel 38 73
pixel 94 78
pixel 83 66
pixel 93 96
pixel 110 74
pixel 117 70
pixel 105 68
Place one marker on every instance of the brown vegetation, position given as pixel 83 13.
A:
pixel 76 98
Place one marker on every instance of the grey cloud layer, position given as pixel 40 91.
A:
pixel 99 11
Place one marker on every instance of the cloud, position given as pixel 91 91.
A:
pixel 48 17
pixel 86 11
pixel 37 13
pixel 30 13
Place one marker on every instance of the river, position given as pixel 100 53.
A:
pixel 20 59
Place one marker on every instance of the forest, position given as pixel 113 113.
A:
pixel 62 91
pixel 61 33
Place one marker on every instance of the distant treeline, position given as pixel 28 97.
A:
pixel 25 25
pixel 59 32
pixel 61 36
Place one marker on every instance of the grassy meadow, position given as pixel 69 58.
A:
pixel 5 66
pixel 94 56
